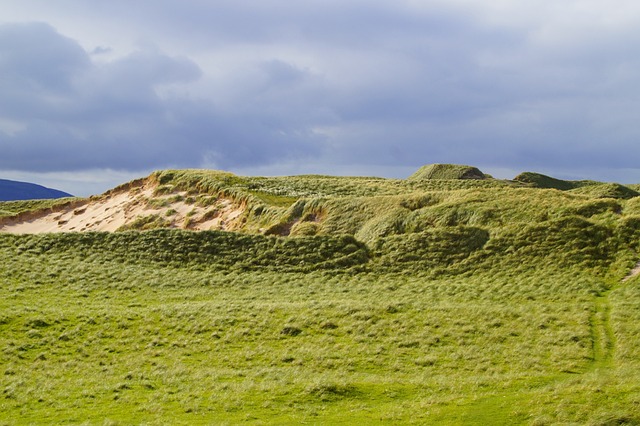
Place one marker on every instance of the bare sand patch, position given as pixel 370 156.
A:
pixel 117 209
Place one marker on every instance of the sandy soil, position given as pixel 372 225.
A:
pixel 111 211
pixel 633 273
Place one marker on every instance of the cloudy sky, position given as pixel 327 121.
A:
pixel 93 94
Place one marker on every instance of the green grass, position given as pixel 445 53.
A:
pixel 10 208
pixel 145 223
pixel 447 172
pixel 607 190
pixel 390 302
pixel 96 339
pixel 156 327
pixel 539 180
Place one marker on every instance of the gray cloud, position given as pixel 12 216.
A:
pixel 336 83
pixel 73 114
pixel 35 57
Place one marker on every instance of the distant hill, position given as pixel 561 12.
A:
pixel 446 172
pixel 11 190
pixel 539 180
pixel 437 196
pixel 586 187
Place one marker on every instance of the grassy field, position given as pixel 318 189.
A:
pixel 413 302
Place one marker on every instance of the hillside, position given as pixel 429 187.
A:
pixel 368 208
pixel 426 223
pixel 438 299
pixel 13 190
pixel 447 172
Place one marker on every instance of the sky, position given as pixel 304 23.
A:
pixel 94 94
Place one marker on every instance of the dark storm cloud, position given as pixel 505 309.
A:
pixel 35 57
pixel 72 114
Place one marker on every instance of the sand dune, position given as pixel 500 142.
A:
pixel 117 209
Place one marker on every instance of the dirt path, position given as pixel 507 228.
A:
pixel 604 340
pixel 602 333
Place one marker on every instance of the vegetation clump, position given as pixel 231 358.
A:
pixel 447 171
pixel 607 190
pixel 591 188
pixel 144 223
pixel 539 180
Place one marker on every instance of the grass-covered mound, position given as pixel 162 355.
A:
pixel 590 188
pixel 447 171
pixel 607 190
pixel 539 180
pixel 337 300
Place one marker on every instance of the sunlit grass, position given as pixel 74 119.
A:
pixel 183 343
pixel 89 338
pixel 392 301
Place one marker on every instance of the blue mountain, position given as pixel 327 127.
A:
pixel 11 190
